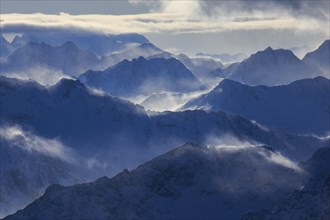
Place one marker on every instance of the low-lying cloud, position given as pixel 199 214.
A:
pixel 228 143
pixel 42 75
pixel 17 137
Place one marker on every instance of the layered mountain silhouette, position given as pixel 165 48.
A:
pixel 301 107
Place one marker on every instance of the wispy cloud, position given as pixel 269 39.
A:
pixel 17 137
pixel 43 75
pixel 231 144
pixel 170 20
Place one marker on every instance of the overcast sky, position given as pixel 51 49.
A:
pixel 188 26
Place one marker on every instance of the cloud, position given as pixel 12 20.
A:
pixel 42 75
pixel 231 144
pixel 17 137
pixel 250 8
pixel 171 19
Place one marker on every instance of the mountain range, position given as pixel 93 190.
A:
pixel 109 134
pixel 47 64
pixel 100 44
pixel 67 58
pixel 311 202
pixel 300 107
pixel 273 67
pixel 82 117
pixel 143 50
pixel 143 77
pixel 187 182
pixel 243 136
pixel 199 66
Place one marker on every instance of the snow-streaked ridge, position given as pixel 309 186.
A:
pixel 208 182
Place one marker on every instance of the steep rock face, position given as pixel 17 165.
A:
pixel 67 58
pixel 272 67
pixel 187 182
pixel 312 202
pixel 300 107
pixel 320 58
pixel 143 77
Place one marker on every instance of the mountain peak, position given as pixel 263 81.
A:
pixel 277 52
pixel 140 59
pixel 325 44
pixel 269 49
pixel 149 45
pixel 66 84
pixel 70 45
pixel 319 58
pixel 228 82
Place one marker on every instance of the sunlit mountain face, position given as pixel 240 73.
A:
pixel 165 110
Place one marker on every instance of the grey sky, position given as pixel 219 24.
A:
pixel 190 26
pixel 115 7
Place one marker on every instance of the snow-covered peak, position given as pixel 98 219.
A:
pixel 297 107
pixel 215 182
pixel 65 84
pixel 99 44
pixel 150 46
pixel 272 67
pixel 142 76
pixel 320 58
pixel 145 50
pixel 272 57
pixel 323 49
pixel 311 202
pixel 269 49
pixel 69 45
pixel 66 59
